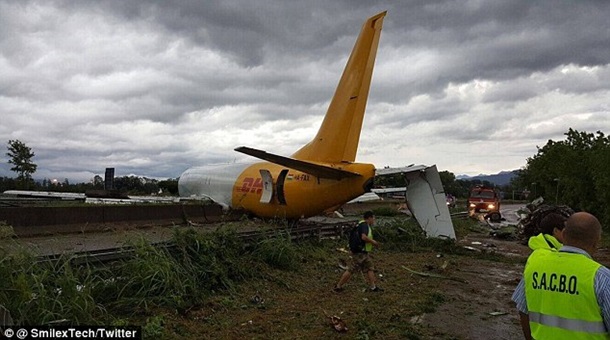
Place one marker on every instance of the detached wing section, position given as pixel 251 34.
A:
pixel 425 198
pixel 321 171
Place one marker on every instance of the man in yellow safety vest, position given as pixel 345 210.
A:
pixel 551 233
pixel 566 294
pixel 361 260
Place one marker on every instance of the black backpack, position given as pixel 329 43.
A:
pixel 356 244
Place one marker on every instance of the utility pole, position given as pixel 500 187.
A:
pixel 557 191
pixel 534 185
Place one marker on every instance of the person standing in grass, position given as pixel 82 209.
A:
pixel 360 259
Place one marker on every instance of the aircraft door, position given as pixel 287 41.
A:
pixel 280 186
pixel 267 194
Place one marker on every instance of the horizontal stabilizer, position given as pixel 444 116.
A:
pixel 317 170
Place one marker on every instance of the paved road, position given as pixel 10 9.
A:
pixel 509 212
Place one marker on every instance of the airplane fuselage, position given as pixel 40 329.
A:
pixel 322 174
pixel 272 190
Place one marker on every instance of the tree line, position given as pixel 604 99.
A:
pixel 20 156
pixel 573 172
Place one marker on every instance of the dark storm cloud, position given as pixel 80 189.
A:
pixel 247 29
pixel 153 87
pixel 500 40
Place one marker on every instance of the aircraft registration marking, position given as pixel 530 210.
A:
pixel 300 177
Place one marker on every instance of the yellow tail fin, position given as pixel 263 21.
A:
pixel 338 137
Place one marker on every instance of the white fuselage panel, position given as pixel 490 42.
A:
pixel 213 181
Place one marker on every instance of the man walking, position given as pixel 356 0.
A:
pixel 360 255
pixel 566 294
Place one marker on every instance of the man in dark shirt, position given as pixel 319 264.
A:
pixel 360 257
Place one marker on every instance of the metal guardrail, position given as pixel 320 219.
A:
pixel 102 256
pixel 460 214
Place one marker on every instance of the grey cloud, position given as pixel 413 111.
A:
pixel 156 86
pixel 515 91
pixel 245 29
pixel 504 39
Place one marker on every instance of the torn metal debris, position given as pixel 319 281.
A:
pixel 534 213
pixel 337 323
pixel 434 275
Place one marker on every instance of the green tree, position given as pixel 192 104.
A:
pixel 20 156
pixel 574 172
pixel 7 184
pixel 169 186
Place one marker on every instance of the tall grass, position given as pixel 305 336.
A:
pixel 176 277
pixel 47 292
pixel 278 252
pixel 151 277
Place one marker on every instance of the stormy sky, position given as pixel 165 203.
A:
pixel 154 87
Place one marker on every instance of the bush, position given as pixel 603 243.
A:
pixel 278 252
pixel 6 231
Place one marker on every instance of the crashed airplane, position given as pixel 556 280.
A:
pixel 322 174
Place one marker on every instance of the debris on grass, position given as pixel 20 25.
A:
pixel 497 313
pixel 434 275
pixel 257 299
pixel 418 319
pixel 506 233
pixel 337 323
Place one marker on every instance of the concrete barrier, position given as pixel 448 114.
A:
pixel 31 221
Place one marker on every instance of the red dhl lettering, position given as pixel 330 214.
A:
pixel 251 185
